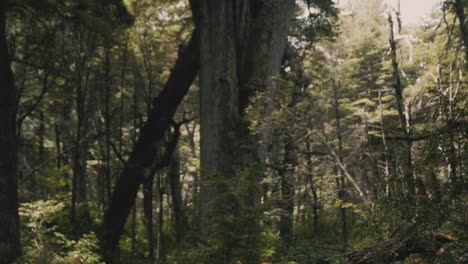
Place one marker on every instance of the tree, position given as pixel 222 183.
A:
pixel 460 6
pixel 12 129
pixel 233 67
pixel 10 247
pixel 142 160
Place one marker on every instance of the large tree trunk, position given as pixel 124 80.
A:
pixel 218 101
pixel 141 160
pixel 460 12
pixel 242 43
pixel 10 247
pixel 219 117
pixel 267 42
pixel 263 56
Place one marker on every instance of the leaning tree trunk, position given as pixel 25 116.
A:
pixel 10 247
pixel 141 160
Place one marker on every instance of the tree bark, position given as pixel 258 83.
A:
pixel 10 247
pixel 144 153
pixel 242 44
pixel 218 101
pixel 233 73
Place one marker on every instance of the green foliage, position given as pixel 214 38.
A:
pixel 319 21
pixel 235 226
pixel 312 252
pixel 44 243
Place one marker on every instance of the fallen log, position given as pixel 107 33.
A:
pixel 397 248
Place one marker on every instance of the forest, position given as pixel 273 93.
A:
pixel 233 132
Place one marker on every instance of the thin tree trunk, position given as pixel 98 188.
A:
pixel 375 186
pixel 63 122
pixel 41 135
pixel 79 166
pixel 176 194
pixel 40 149
pixel 313 188
pixel 148 213
pixel 341 180
pixel 133 234
pixel 316 208
pixel 9 219
pixel 58 140
pixel 79 196
pixel 387 177
pixel 195 174
pixel 160 250
pixel 122 96
pixel 107 123
pixel 287 192
pixel 290 161
pixel 400 103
